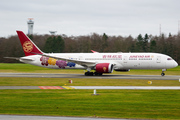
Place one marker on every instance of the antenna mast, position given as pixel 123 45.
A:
pixel 160 29
pixel 178 27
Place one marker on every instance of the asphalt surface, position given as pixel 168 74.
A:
pixel 20 117
pixel 95 87
pixel 129 87
pixel 106 76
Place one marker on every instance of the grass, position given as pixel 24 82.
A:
pixel 138 104
pixel 151 104
pixel 25 68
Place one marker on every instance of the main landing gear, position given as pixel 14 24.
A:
pixel 88 73
pixel 163 74
pixel 92 73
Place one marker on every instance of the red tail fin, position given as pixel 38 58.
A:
pixel 28 46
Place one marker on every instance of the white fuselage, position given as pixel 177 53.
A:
pixel 119 60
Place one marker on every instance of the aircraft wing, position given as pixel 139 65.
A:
pixel 80 62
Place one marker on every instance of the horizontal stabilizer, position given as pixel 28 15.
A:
pixel 20 58
pixel 16 58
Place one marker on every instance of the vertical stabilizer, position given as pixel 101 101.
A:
pixel 28 46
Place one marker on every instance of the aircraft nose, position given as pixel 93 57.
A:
pixel 175 64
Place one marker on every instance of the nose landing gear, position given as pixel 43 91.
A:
pixel 163 74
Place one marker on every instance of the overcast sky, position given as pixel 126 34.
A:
pixel 84 17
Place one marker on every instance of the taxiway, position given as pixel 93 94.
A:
pixel 95 87
pixel 106 76
pixel 21 117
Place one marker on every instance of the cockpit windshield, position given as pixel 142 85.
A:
pixel 169 59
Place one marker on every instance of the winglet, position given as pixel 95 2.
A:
pixel 94 51
pixel 28 45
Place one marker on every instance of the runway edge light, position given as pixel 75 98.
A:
pixel 94 91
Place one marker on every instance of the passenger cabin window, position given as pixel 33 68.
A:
pixel 169 58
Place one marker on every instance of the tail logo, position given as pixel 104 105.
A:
pixel 27 46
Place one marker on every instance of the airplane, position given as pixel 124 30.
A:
pixel 99 62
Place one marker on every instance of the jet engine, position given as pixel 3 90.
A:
pixel 104 68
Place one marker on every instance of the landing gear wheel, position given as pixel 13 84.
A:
pixel 163 70
pixel 91 74
pixel 100 74
pixel 97 74
pixel 88 74
pixel 162 74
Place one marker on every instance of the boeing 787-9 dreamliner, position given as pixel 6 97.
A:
pixel 99 62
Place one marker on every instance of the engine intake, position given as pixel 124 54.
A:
pixel 104 68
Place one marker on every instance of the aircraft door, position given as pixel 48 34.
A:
pixel 81 58
pixel 158 60
pixel 125 59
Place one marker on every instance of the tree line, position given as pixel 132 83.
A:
pixel 165 44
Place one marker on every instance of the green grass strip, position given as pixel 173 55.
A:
pixel 10 81
pixel 145 104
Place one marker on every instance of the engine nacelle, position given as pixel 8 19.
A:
pixel 122 70
pixel 104 68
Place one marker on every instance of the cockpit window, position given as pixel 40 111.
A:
pixel 169 59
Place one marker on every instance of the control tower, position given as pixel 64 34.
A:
pixel 30 26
